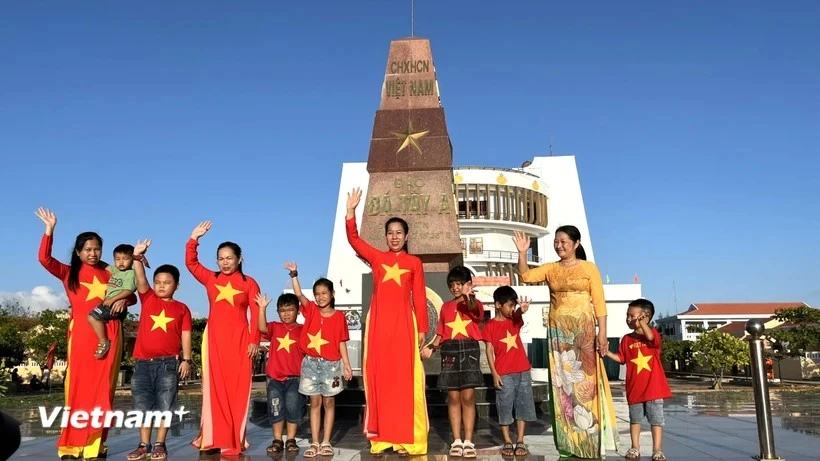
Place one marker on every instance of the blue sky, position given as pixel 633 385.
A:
pixel 692 126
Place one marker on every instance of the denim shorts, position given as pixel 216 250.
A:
pixel 515 396
pixel 653 410
pixel 460 365
pixel 103 314
pixel 321 377
pixel 154 384
pixel 284 401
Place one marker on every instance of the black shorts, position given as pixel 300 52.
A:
pixel 460 365
pixel 103 314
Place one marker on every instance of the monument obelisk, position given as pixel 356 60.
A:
pixel 411 160
pixel 411 173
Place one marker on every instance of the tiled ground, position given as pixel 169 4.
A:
pixel 699 426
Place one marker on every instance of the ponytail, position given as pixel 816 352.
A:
pixel 580 253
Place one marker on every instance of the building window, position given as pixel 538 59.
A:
pixel 476 245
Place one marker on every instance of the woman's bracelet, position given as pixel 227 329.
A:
pixel 294 274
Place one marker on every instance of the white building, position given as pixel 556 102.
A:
pixel 707 316
pixel 492 204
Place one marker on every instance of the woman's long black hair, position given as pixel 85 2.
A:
pixel 236 251
pixel 76 263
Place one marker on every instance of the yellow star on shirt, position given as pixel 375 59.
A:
pixel 161 321
pixel 285 342
pixel 409 138
pixel 510 341
pixel 96 289
pixel 394 273
pixel 642 361
pixel 226 292
pixel 458 326
pixel 316 341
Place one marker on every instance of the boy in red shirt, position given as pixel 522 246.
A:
pixel 164 326
pixel 283 370
pixel 324 341
pixel 646 384
pixel 510 367
pixel 457 336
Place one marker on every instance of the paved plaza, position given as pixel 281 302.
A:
pixel 700 425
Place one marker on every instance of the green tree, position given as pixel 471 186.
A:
pixel 13 308
pixel 5 379
pixel 197 329
pixel 801 330
pixel 719 351
pixel 53 327
pixel 12 346
pixel 677 350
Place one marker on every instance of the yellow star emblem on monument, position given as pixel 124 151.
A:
pixel 226 292
pixel 394 273
pixel 410 138
pixel 510 341
pixel 642 361
pixel 285 342
pixel 161 321
pixel 96 289
pixel 458 326
pixel 316 341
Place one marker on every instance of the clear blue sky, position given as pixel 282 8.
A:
pixel 695 128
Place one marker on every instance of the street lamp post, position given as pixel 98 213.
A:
pixel 765 433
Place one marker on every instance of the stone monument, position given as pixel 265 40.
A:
pixel 411 169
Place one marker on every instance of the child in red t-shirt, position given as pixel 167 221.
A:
pixel 458 336
pixel 164 328
pixel 324 341
pixel 646 384
pixel 510 367
pixel 284 366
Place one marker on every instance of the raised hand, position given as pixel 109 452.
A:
pixel 201 229
pixel 522 241
pixel 353 198
pixel 141 247
pixel 262 301
pixel 467 289
pixel 290 266
pixel 525 304
pixel 49 219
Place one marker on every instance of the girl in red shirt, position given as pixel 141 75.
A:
pixel 458 336
pixel 324 341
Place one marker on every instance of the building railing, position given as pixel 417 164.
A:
pixel 493 168
pixel 501 254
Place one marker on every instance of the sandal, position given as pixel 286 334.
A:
pixel 402 453
pixel 275 447
pixel 469 450
pixel 326 449
pixel 457 449
pixel 291 447
pixel 143 451
pixel 632 453
pixel 159 451
pixel 102 349
pixel 508 450
pixel 658 456
pixel 311 451
pixel 521 449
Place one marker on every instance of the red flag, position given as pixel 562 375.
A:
pixel 636 278
pixel 50 356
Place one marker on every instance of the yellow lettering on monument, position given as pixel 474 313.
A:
pixel 409 67
pixel 444 206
